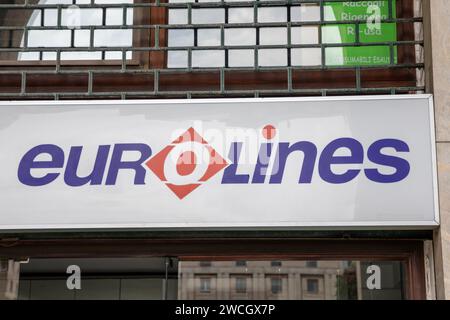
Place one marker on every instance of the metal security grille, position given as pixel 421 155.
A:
pixel 78 49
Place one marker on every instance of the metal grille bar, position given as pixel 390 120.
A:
pixel 125 66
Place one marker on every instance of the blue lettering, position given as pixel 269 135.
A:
pixel 328 158
pixel 284 150
pixel 400 165
pixel 117 163
pixel 230 175
pixel 95 177
pixel 28 162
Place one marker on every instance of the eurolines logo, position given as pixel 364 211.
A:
pixel 189 173
pixel 189 161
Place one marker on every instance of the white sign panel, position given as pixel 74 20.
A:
pixel 242 163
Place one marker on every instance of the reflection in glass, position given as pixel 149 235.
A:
pixel 305 35
pixel 181 37
pixel 178 16
pixel 245 36
pixel 241 284
pixel 278 35
pixel 312 286
pixel 241 58
pixel 305 13
pixel 161 278
pixel 306 57
pixel 272 57
pixel 101 279
pixel 240 36
pixel 276 285
pixel 78 38
pixel 208 58
pixel 289 279
pixel 273 36
pixel 208 37
pixel 177 59
pixel 272 14
pixel 205 285
pixel 240 15
pixel 204 16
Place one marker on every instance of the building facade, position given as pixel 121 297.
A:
pixel 144 56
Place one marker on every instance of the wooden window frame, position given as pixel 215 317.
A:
pixel 139 59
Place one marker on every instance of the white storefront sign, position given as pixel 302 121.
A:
pixel 344 162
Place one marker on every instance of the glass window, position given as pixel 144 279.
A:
pixel 241 263
pixel 276 263
pixel 205 285
pixel 205 264
pixel 78 35
pixel 164 278
pixel 276 285
pixel 241 284
pixel 220 36
pixel 248 36
pixel 99 279
pixel 329 280
pixel 312 286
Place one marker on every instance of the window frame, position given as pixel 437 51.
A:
pixel 311 264
pixel 320 78
pixel 410 252
pixel 278 288
pixel 204 289
pixel 242 287
pixel 139 59
pixel 310 280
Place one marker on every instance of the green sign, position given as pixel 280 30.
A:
pixel 369 32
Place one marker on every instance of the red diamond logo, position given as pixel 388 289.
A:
pixel 186 163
